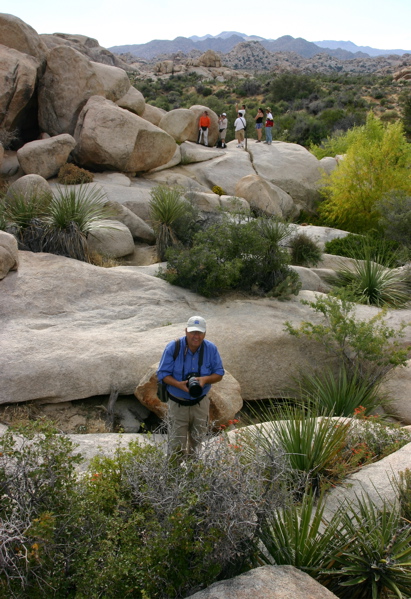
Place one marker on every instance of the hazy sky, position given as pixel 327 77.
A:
pixel 383 25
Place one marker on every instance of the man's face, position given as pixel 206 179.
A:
pixel 194 339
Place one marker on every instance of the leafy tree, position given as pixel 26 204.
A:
pixel 377 162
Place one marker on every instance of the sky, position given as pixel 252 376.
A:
pixel 376 23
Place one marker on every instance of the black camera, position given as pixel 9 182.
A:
pixel 194 387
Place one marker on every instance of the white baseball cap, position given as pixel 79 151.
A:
pixel 196 323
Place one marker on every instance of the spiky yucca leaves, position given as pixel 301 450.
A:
pixel 376 561
pixel 330 393
pixel 311 444
pixel 369 282
pixel 297 536
pixel 73 214
pixel 166 206
pixel 21 208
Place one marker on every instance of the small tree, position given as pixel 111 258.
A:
pixel 376 162
pixel 167 205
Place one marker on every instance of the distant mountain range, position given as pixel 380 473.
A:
pixel 227 40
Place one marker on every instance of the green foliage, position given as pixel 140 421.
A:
pixel 304 251
pixel 311 444
pixel 369 347
pixel 373 245
pixel 21 208
pixel 73 215
pixel 327 393
pixel 218 190
pixel 395 211
pixel 376 163
pixel 232 255
pixel 290 86
pixel 377 558
pixel 297 537
pixel 167 206
pixel 402 484
pixel 70 174
pixel 368 282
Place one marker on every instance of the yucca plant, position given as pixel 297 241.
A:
pixel 376 561
pixel 369 282
pixel 21 208
pixel 73 214
pixel 310 443
pixel 304 250
pixel 299 536
pixel 330 393
pixel 166 206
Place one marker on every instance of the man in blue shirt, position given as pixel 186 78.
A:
pixel 189 378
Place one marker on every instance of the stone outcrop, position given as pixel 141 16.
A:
pixel 109 137
pixel 64 91
pixel 191 152
pixel 198 110
pixel 179 123
pixel 153 114
pixel 15 33
pixel 9 257
pixel 139 229
pixel 210 59
pixel 267 582
pixel 18 78
pixel 133 101
pixel 87 46
pixel 45 157
pixel 292 168
pixel 266 197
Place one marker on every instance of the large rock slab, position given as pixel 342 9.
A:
pixel 224 171
pixel 267 582
pixel 70 79
pixel 9 257
pixel 73 330
pixel 398 390
pixel 18 78
pixel 292 168
pixel 179 123
pixel 45 157
pixel 109 137
pixel 152 114
pixel 133 101
pixel 191 152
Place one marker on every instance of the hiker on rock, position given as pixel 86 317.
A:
pixel 189 374
pixel 203 127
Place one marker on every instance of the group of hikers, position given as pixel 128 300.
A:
pixel 264 118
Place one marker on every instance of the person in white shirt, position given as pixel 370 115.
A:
pixel 239 126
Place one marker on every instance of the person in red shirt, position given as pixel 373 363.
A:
pixel 203 126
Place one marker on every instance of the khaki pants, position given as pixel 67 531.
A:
pixel 187 425
pixel 240 136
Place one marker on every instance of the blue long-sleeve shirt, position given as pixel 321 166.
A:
pixel 187 362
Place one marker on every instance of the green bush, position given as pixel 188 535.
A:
pixel 70 174
pixel 304 251
pixel 395 210
pixel 373 245
pixel 368 347
pixel 233 255
pixel 376 162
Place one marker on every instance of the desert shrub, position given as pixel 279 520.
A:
pixel 20 208
pixel 395 210
pixel 218 190
pixel 368 282
pixel 376 163
pixel 304 251
pixel 8 137
pixel 233 255
pixel 70 174
pixel 384 251
pixel 369 347
pixel 402 484
pixel 291 86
